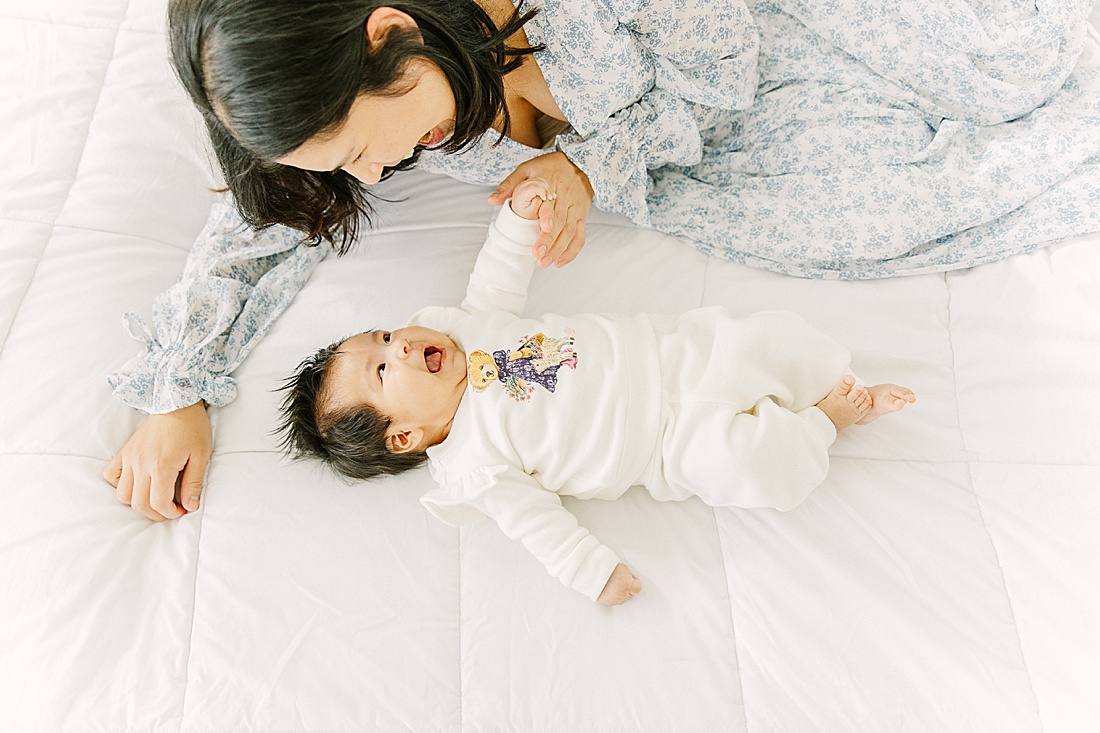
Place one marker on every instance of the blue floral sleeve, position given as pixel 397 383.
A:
pixel 635 80
pixel 235 284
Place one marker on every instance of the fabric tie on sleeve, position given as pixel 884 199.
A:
pixel 235 285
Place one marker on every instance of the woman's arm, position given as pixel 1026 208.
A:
pixel 235 284
pixel 635 80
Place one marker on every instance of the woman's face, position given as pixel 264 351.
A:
pixel 380 132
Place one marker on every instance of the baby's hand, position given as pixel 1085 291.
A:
pixel 528 198
pixel 621 587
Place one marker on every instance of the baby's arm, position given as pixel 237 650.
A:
pixel 527 512
pixel 504 266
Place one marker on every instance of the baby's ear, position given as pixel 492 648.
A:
pixel 404 441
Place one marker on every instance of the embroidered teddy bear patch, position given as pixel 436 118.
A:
pixel 536 361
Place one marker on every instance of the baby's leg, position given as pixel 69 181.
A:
pixel 846 404
pixel 886 398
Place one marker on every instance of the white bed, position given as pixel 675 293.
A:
pixel 945 577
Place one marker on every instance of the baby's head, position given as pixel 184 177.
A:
pixel 374 403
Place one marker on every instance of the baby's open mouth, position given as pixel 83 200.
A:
pixel 433 357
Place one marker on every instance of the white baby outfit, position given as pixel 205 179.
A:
pixel 589 405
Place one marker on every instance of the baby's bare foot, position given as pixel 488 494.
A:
pixel 886 398
pixel 846 403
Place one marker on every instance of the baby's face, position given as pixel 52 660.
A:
pixel 416 376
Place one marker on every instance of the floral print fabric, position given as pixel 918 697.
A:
pixel 833 138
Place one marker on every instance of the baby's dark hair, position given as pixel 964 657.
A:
pixel 351 440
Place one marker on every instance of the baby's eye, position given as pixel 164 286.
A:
pixel 381 371
pixel 386 338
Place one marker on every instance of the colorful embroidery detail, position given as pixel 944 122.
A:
pixel 536 361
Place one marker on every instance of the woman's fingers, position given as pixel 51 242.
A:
pixel 144 473
pixel 112 472
pixel 162 496
pixel 507 186
pixel 562 218
pixel 573 248
pixel 565 239
pixel 124 486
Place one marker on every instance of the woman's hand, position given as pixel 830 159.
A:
pixel 145 471
pixel 563 219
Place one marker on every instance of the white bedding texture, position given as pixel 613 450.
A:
pixel 945 577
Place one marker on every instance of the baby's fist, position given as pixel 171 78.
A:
pixel 529 196
pixel 621 587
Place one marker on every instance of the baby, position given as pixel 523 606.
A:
pixel 512 413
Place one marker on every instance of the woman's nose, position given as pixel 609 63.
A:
pixel 366 172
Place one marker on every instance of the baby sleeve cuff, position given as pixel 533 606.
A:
pixel 594 572
pixel 521 233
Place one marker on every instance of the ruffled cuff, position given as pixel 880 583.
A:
pixel 185 358
pixel 159 381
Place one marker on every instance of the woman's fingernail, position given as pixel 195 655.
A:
pixel 540 252
pixel 192 503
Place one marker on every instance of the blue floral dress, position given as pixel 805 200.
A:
pixel 833 138
pixel 825 138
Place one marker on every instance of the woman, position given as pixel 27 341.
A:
pixel 839 139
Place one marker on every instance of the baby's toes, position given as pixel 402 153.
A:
pixel 899 397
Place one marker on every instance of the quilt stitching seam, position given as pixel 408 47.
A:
pixel 65 199
pixel 53 22
pixel 194 612
pixel 53 226
pixel 458 575
pixel 723 548
pixel 978 504
pixel 733 626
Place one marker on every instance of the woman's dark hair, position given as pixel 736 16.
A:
pixel 268 75
pixel 351 440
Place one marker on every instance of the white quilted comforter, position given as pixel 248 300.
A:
pixel 945 577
